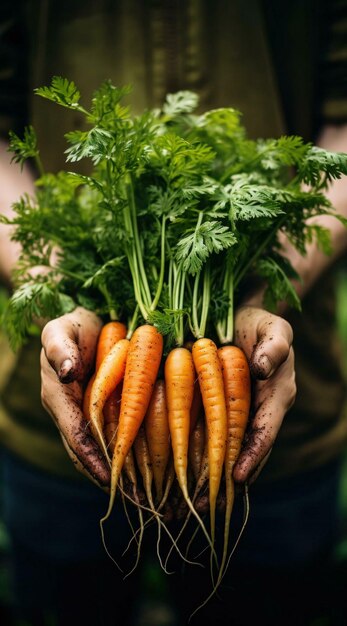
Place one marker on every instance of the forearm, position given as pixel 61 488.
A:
pixel 13 184
pixel 315 262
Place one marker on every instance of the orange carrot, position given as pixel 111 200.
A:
pixel 158 436
pixel 108 337
pixel 142 365
pixel 108 376
pixel 197 400
pixel 179 381
pixel 210 375
pixel 111 416
pixel 237 388
pixel 112 405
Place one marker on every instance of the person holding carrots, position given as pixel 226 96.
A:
pixel 162 49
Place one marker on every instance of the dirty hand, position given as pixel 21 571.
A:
pixel 68 350
pixel 266 340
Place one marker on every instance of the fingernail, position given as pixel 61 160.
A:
pixel 65 372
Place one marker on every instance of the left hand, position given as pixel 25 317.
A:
pixel 68 349
pixel 266 340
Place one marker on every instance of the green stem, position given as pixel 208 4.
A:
pixel 133 264
pixel 176 288
pixel 206 297
pixel 137 246
pixel 112 312
pixel 162 267
pixel 133 322
pixel 176 296
pixel 230 318
pixel 39 165
pixel 225 328
pixel 195 305
pixel 137 287
pixel 180 324
pixel 170 283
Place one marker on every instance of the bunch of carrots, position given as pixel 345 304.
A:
pixel 178 214
pixel 185 426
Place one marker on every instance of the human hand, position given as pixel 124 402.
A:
pixel 266 340
pixel 69 344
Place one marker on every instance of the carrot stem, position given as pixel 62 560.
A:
pixel 162 266
pixel 225 328
pixel 145 290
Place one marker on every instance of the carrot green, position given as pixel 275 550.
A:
pixel 178 212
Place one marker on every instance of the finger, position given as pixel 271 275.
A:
pixel 63 402
pixel 62 351
pixel 274 339
pixel 273 399
pixel 69 343
pixel 79 467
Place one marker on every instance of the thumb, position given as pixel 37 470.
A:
pixel 275 337
pixel 62 351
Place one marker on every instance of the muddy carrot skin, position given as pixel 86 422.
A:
pixel 142 366
pixel 179 381
pixel 158 436
pixel 111 417
pixel 144 463
pixel 108 376
pixel 196 447
pixel 237 389
pixel 209 371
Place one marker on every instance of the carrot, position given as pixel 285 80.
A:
pixel 210 375
pixel 196 407
pixel 112 405
pixel 196 447
pixel 158 436
pixel 142 365
pixel 108 376
pixel 179 381
pixel 237 388
pixel 111 416
pixel 108 337
pixel 197 400
pixel 144 463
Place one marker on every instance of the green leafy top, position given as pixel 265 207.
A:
pixel 178 211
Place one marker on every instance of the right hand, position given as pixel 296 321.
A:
pixel 68 350
pixel 266 339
